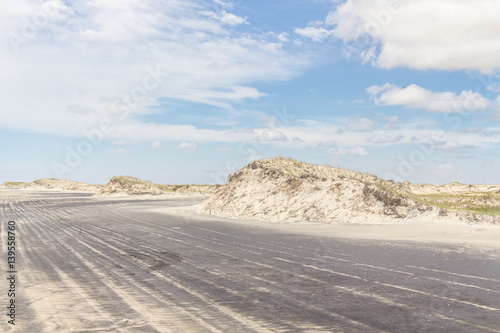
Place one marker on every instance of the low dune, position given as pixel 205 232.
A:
pixel 53 184
pixel 117 186
pixel 284 190
pixel 22 185
pixel 126 185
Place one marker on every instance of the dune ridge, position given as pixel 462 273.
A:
pixel 127 185
pixel 285 190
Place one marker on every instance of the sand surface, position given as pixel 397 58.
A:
pixel 477 235
pixel 133 265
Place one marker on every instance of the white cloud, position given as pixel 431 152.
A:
pixel 283 37
pixel 361 125
pixel 497 103
pixel 392 123
pixel 231 19
pixel 90 54
pixel 316 34
pixel 360 151
pixel 330 143
pixel 156 145
pixel 493 87
pixel 422 34
pixel 270 135
pixel 384 137
pixel 225 4
pixel 447 144
pixel 416 97
pixel 224 149
pixel 444 170
pixel 187 146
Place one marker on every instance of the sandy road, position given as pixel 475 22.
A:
pixel 102 265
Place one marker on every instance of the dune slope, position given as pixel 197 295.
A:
pixel 287 190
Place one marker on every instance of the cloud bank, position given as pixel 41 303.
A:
pixel 419 34
pixel 416 97
pixel 67 65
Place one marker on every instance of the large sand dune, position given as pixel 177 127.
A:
pixel 287 190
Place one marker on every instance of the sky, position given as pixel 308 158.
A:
pixel 189 91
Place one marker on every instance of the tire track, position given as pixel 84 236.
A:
pixel 114 287
pixel 225 282
pixel 386 285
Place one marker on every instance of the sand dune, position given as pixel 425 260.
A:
pixel 53 184
pixel 117 186
pixel 126 185
pixel 292 191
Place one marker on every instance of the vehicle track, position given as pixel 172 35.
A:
pixel 102 265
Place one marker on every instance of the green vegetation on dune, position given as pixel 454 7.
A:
pixel 132 182
pixel 293 168
pixel 481 201
pixel 485 210
pixel 19 184
pixel 128 180
pixel 484 203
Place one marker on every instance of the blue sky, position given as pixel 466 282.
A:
pixel 190 91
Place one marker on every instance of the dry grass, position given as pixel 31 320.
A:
pixel 15 184
pixel 130 182
pixel 293 168
pixel 387 191
pixel 484 203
